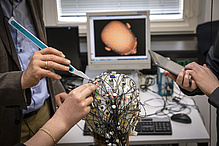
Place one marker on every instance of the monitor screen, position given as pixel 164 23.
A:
pixel 65 39
pixel 118 40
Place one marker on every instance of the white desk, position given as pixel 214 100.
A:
pixel 181 133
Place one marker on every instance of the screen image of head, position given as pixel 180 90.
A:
pixel 118 40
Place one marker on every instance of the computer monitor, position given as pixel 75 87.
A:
pixel 65 39
pixel 118 40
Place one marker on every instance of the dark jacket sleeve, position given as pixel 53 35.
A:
pixel 11 93
pixel 214 98
pixel 19 144
pixel 212 61
pixel 197 91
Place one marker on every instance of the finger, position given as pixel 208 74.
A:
pixel 179 79
pixel 190 65
pixel 60 98
pixel 50 74
pixel 193 66
pixel 51 50
pixel 87 91
pixel 87 110
pixel 54 58
pixel 186 80
pixel 53 65
pixel 193 84
pixel 89 100
pixel 59 102
pixel 192 73
pixel 170 75
pixel 79 89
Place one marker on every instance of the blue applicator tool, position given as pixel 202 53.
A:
pixel 41 45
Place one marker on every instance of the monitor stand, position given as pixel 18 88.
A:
pixel 93 73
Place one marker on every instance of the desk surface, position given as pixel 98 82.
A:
pixel 181 133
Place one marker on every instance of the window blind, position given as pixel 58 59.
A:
pixel 78 8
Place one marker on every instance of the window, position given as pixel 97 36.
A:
pixel 167 16
pixel 75 10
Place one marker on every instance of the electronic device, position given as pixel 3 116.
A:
pixel 154 126
pixel 66 39
pixel 118 40
pixel 148 126
pixel 164 83
pixel 182 118
pixel 165 63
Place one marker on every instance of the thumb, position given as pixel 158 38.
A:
pixel 204 65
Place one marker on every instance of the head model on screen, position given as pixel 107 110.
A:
pixel 115 109
pixel 118 37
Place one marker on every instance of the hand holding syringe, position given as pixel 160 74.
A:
pixel 41 45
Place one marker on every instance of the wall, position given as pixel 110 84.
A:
pixel 205 11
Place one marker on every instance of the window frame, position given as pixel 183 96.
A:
pixel 187 25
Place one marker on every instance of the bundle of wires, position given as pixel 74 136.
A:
pixel 115 109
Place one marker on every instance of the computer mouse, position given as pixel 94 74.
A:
pixel 181 117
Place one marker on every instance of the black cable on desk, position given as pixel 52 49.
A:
pixel 149 81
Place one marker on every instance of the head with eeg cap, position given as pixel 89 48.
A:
pixel 115 109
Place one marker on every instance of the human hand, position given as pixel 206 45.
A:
pixel 203 77
pixel 183 80
pixel 60 98
pixel 40 63
pixel 76 106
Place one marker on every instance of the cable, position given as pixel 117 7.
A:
pixel 30 130
pixel 149 81
pixel 80 127
pixel 211 33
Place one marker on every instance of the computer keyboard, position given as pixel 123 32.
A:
pixel 148 126
pixel 154 126
pixel 86 130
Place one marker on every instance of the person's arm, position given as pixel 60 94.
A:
pixel 204 78
pixel 11 92
pixel 212 59
pixel 75 107
pixel 213 99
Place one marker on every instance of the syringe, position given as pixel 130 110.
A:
pixel 41 45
